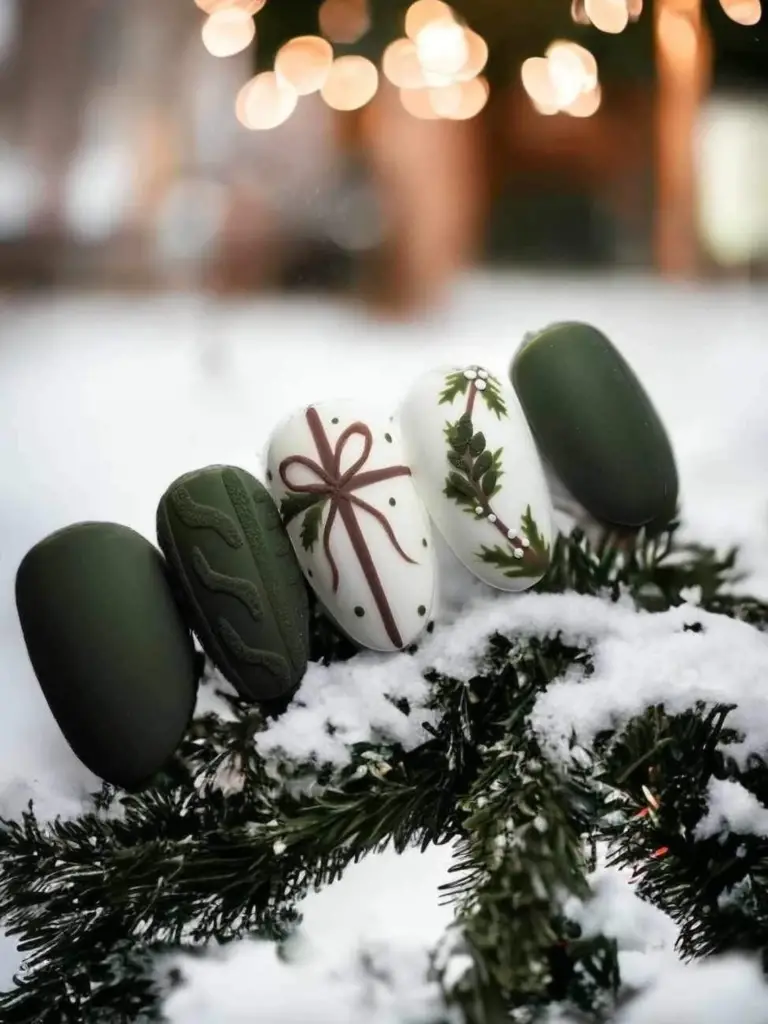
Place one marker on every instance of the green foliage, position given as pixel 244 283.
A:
pixel 475 471
pixel 310 525
pixel 455 384
pixel 493 398
pixel 218 847
pixel 293 505
pixel 536 557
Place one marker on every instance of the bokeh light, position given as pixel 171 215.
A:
pixel 265 102
pixel 351 83
pixel 228 32
pixel 567 73
pixel 634 9
pixel 305 62
pixel 344 21
pixel 743 12
pixel 442 47
pixel 538 84
pixel 560 47
pixel 477 56
pixel 249 6
pixel 578 14
pixel 401 65
pixel 467 101
pixel 418 103
pixel 422 12
pixel 587 104
pixel 564 81
pixel 609 16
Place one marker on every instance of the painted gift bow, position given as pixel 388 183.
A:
pixel 340 489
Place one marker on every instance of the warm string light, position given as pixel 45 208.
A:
pixel 351 83
pixel 249 6
pixel 228 31
pixel 266 102
pixel 564 81
pixel 437 65
pixel 305 63
pixel 344 21
pixel 611 16
pixel 743 12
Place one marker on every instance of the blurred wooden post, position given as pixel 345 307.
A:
pixel 53 70
pixel 683 61
pixel 430 178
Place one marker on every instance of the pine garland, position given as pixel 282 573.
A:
pixel 219 848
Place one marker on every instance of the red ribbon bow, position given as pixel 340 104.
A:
pixel 339 488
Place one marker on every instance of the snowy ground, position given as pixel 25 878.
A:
pixel 104 401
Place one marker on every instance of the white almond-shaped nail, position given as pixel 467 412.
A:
pixel 476 467
pixel 356 521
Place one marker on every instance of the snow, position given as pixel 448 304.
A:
pixel 732 808
pixel 104 401
pixel 709 993
pixel 347 964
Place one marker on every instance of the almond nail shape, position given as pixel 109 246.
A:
pixel 359 528
pixel 476 467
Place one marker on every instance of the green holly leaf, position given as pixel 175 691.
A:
pixel 532 534
pixel 456 459
pixel 310 527
pixel 493 398
pixel 293 505
pixel 455 384
pixel 461 484
pixel 504 560
pixel 488 483
pixel 464 430
pixel 477 443
pixel 482 465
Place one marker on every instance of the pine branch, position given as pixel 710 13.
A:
pixel 219 848
pixel 715 888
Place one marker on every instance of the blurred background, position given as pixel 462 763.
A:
pixel 378 148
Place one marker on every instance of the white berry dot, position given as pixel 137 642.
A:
pixel 482 374
pixel 491 518
pixel 470 374
pixel 480 385
pixel 525 542
pixel 479 510
pixel 518 552
pixel 511 534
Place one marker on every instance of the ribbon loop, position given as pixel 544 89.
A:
pixel 326 481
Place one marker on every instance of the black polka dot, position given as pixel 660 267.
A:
pixel 359 612
pixel 424 543
pixel 431 627
pixel 392 502
pixel 335 419
pixel 421 610
pixel 269 475
pixel 309 573
pixel 388 438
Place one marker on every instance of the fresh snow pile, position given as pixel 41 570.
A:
pixel 362 954
pixel 104 401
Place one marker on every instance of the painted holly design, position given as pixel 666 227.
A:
pixel 475 472
pixel 473 382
